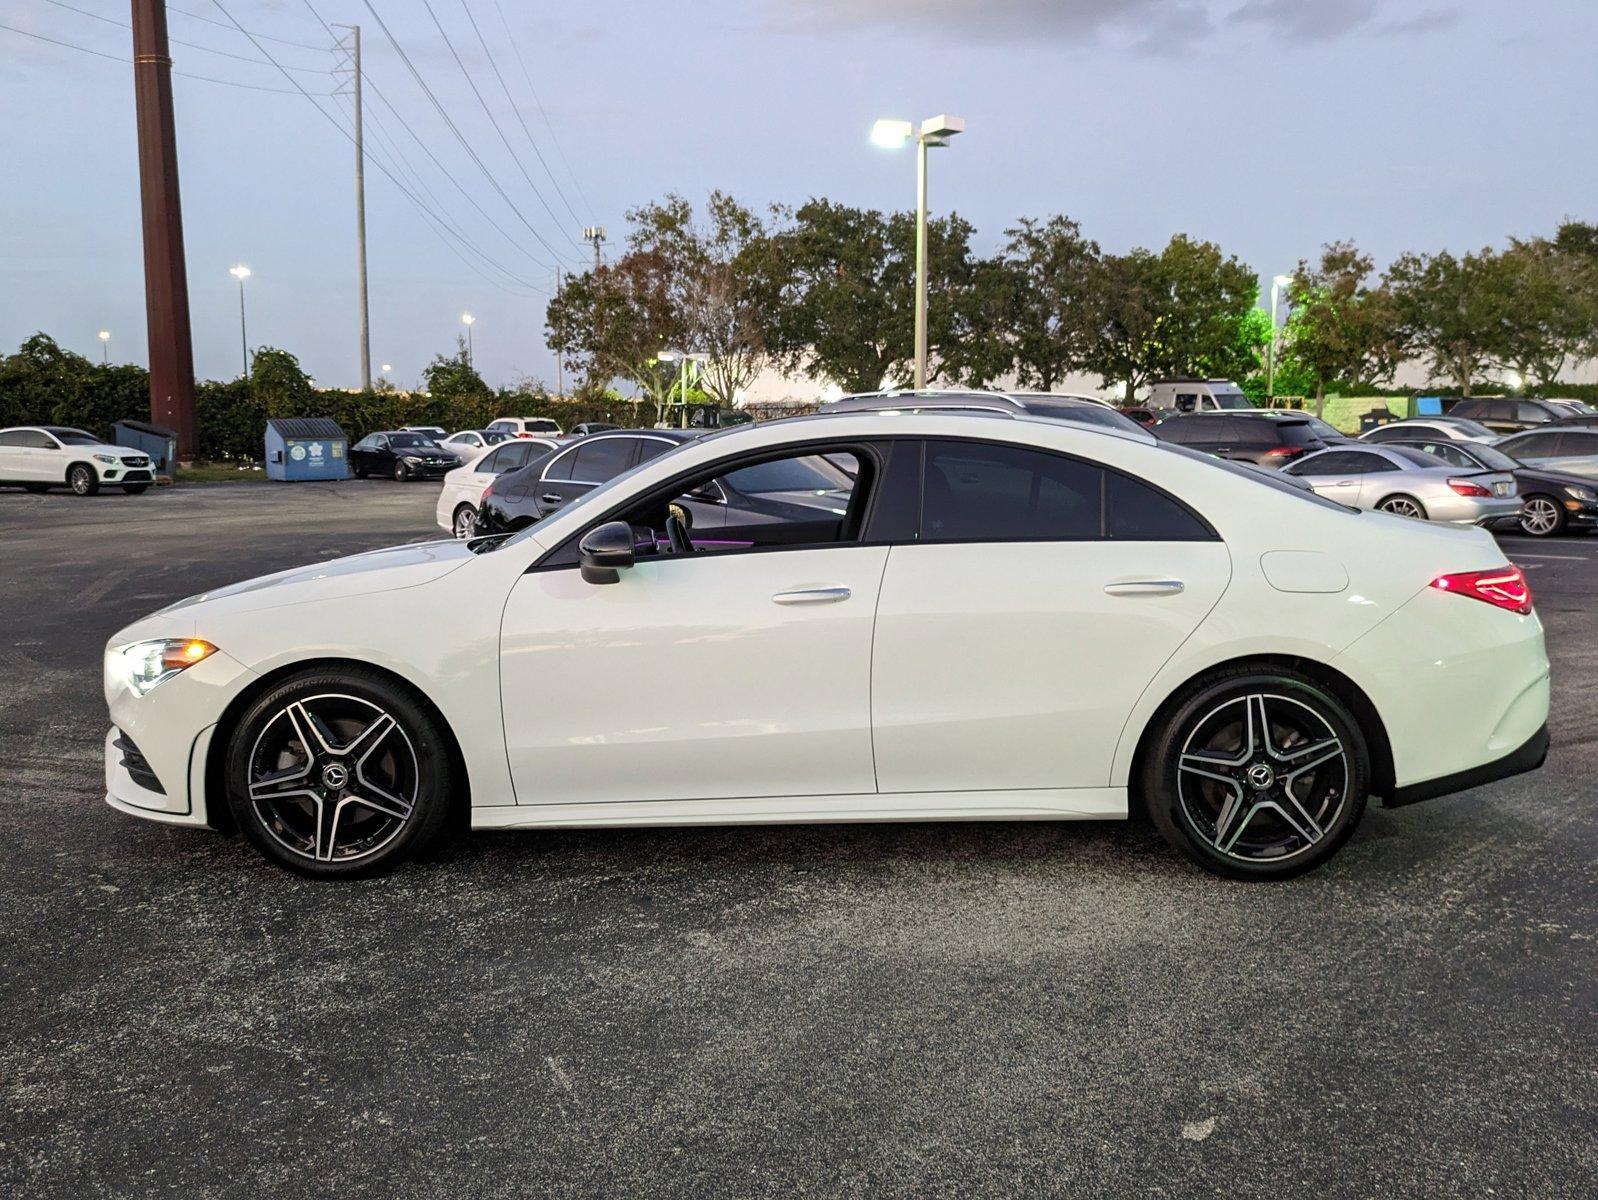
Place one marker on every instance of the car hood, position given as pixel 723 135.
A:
pixel 1563 478
pixel 357 575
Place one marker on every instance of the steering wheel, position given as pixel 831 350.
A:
pixel 677 535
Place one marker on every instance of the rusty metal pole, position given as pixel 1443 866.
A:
pixel 166 287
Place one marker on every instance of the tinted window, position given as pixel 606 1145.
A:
pixel 1572 445
pixel 12 438
pixel 1137 512
pixel 1340 462
pixel 1234 400
pixel 1416 457
pixel 35 440
pixel 1535 445
pixel 809 474
pixel 76 437
pixel 1449 453
pixel 649 448
pixel 411 441
pixel 1392 433
pixel 603 458
pixel 1292 433
pixel 509 457
pixel 1531 413
pixel 1002 493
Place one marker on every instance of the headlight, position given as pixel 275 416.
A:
pixel 1581 493
pixel 106 458
pixel 145 664
pixel 413 460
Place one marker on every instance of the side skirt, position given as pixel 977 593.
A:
pixel 1034 804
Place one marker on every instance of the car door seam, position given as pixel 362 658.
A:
pixel 871 671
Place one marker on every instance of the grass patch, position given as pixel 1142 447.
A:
pixel 221 472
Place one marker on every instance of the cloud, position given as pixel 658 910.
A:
pixel 1155 26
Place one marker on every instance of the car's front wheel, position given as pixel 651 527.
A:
pixel 401 472
pixel 465 521
pixel 338 774
pixel 1257 774
pixel 1541 516
pixel 83 481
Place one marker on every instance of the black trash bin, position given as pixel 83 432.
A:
pixel 159 442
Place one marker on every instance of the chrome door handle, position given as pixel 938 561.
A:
pixel 550 498
pixel 826 595
pixel 1144 587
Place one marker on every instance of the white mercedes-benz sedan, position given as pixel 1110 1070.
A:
pixel 1001 619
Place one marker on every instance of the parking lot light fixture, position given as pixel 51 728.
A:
pixel 468 320
pixel 241 273
pixel 890 134
pixel 105 346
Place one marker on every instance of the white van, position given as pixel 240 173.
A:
pixel 1197 395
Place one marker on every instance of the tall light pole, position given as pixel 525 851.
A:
pixel 1277 284
pixel 241 273
pixel 468 320
pixel 934 131
pixel 360 209
pixel 105 347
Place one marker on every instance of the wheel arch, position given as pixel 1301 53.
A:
pixel 1340 685
pixel 217 812
pixel 1415 500
pixel 66 475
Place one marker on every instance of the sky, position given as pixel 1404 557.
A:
pixel 1268 126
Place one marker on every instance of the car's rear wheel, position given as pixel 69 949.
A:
pixel 135 489
pixel 1541 516
pixel 338 774
pixel 465 521
pixel 360 472
pixel 1403 506
pixel 82 480
pixel 1257 774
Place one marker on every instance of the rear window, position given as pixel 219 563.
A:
pixel 1277 481
pixel 1416 457
pixel 1295 433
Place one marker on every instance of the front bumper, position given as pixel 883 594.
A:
pixel 1530 755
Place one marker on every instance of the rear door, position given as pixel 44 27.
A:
pixel 583 467
pixel 1035 599
pixel 42 459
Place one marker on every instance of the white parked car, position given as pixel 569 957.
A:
pixel 527 426
pixel 40 457
pixel 1008 619
pixel 1453 429
pixel 433 431
pixel 462 495
pixel 471 443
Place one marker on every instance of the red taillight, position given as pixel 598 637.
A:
pixel 1505 587
pixel 1284 452
pixel 487 492
pixel 1466 488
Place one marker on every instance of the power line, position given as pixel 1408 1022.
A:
pixel 492 120
pixel 405 191
pixel 481 41
pixel 127 59
pixel 265 37
pixel 180 42
pixel 415 137
pixel 539 104
pixel 460 137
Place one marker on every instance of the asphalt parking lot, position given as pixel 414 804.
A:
pixel 955 1010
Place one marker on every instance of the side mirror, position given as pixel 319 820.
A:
pixel 604 551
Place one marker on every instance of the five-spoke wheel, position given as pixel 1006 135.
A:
pixel 1541 516
pixel 1257 774
pixel 465 521
pixel 337 773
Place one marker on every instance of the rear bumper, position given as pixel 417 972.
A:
pixel 1530 755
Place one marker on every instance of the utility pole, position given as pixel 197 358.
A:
pixel 595 234
pixel 360 212
pixel 166 284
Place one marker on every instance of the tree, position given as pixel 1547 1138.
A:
pixel 1049 318
pixel 1340 327
pixel 1550 308
pixel 1452 310
pixel 278 383
pixel 1178 312
pixel 843 284
pixel 452 379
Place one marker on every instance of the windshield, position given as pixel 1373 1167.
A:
pixel 411 441
pixel 813 474
pixel 76 437
pixel 1579 407
pixel 1232 400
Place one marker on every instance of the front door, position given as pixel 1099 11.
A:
pixel 1014 637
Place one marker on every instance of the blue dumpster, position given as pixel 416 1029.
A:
pixel 159 442
pixel 303 448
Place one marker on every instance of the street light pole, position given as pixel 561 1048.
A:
pixel 934 131
pixel 105 347
pixel 241 273
pixel 1277 284
pixel 468 320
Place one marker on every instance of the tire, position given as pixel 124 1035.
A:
pixel 401 472
pixel 1541 516
pixel 82 480
pixel 135 489
pixel 1403 506
pixel 465 522
pixel 360 472
pixel 374 790
pixel 1206 791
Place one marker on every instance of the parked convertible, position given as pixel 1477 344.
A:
pixel 992 619
pixel 1411 483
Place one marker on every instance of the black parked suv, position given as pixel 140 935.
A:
pixel 402 454
pixel 1508 415
pixel 795 492
pixel 1266 438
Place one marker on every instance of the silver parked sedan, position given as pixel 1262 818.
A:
pixel 1410 483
